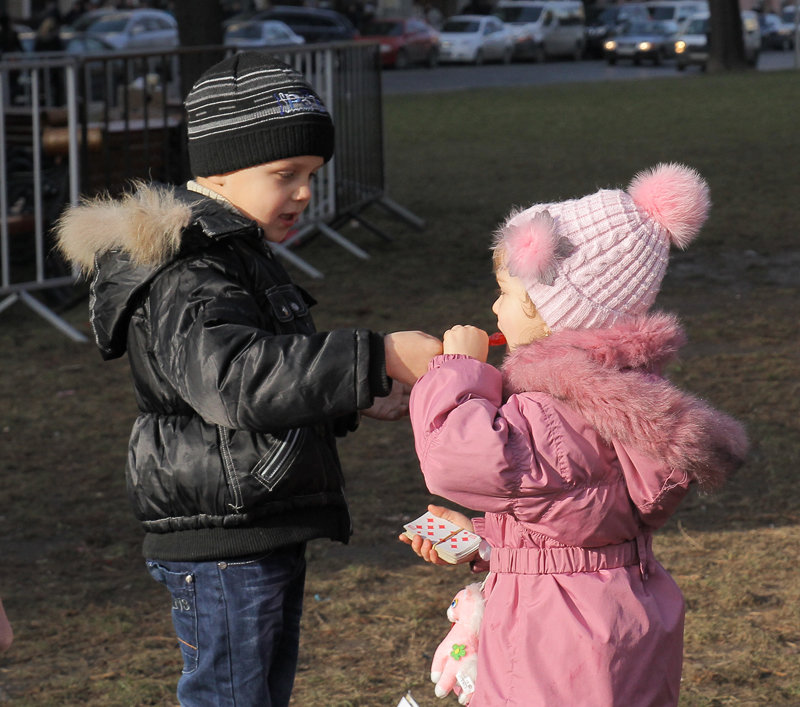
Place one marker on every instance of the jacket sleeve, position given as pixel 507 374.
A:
pixel 210 344
pixel 476 449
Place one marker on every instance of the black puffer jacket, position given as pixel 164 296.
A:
pixel 233 451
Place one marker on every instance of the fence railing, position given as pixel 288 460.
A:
pixel 74 126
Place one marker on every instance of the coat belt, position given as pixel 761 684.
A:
pixel 566 560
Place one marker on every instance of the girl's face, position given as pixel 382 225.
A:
pixel 273 194
pixel 516 316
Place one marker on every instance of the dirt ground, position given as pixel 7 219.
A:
pixel 92 628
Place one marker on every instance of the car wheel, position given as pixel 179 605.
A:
pixel 658 59
pixel 636 61
pixel 680 67
pixel 577 54
pixel 507 54
pixel 612 60
pixel 478 58
pixel 401 60
pixel 539 54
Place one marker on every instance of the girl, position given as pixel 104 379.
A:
pixel 577 450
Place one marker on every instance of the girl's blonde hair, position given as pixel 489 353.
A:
pixel 499 263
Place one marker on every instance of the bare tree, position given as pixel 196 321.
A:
pixel 726 39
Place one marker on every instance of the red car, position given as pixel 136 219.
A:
pixel 404 41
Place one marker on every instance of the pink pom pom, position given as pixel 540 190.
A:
pixel 531 247
pixel 674 195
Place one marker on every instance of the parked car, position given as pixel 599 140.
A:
pixel 544 28
pixel 643 41
pixel 403 41
pixel 261 33
pixel 66 32
pixel 606 21
pixel 314 24
pixel 691 46
pixel 789 14
pixel 677 11
pixel 475 39
pixel 775 33
pixel 136 29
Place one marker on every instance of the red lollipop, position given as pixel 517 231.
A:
pixel 497 339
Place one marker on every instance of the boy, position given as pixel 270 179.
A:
pixel 232 462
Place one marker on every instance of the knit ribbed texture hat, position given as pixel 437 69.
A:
pixel 250 109
pixel 597 260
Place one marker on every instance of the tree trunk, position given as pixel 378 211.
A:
pixel 726 39
pixel 199 24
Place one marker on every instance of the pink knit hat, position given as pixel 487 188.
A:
pixel 594 261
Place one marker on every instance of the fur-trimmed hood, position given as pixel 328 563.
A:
pixel 146 224
pixel 123 243
pixel 611 376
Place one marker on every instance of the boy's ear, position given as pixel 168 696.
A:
pixel 217 180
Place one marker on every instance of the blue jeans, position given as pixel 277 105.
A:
pixel 238 627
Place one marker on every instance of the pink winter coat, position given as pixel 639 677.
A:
pixel 575 453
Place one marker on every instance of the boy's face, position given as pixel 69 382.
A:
pixel 516 316
pixel 273 194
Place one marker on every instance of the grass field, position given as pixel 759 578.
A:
pixel 93 629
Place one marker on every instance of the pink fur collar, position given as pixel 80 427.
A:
pixel 611 377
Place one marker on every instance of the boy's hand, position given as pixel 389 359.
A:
pixel 393 406
pixel 408 354
pixel 467 340
pixel 424 548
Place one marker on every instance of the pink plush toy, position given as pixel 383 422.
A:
pixel 455 663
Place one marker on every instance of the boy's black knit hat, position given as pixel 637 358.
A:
pixel 250 109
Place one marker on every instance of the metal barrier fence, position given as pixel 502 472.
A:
pixel 74 126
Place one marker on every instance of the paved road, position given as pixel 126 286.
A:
pixel 458 77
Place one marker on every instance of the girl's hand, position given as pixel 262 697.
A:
pixel 424 548
pixel 467 340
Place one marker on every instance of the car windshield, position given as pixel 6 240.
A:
pixel 518 14
pixel 662 12
pixel 110 23
pixel 246 30
pixel 658 28
pixel 84 21
pixel 596 17
pixel 698 26
pixel 461 26
pixel 382 28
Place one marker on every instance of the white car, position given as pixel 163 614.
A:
pixel 474 39
pixel 261 33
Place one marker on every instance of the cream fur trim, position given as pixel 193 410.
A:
pixel 145 223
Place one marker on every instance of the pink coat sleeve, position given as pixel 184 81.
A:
pixel 475 449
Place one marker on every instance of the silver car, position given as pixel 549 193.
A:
pixel 136 29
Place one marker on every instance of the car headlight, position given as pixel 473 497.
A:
pixel 644 46
pixel 680 47
pixel 610 45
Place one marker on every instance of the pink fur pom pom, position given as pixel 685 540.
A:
pixel 674 195
pixel 531 246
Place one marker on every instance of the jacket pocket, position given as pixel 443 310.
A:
pixel 289 308
pixel 276 451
